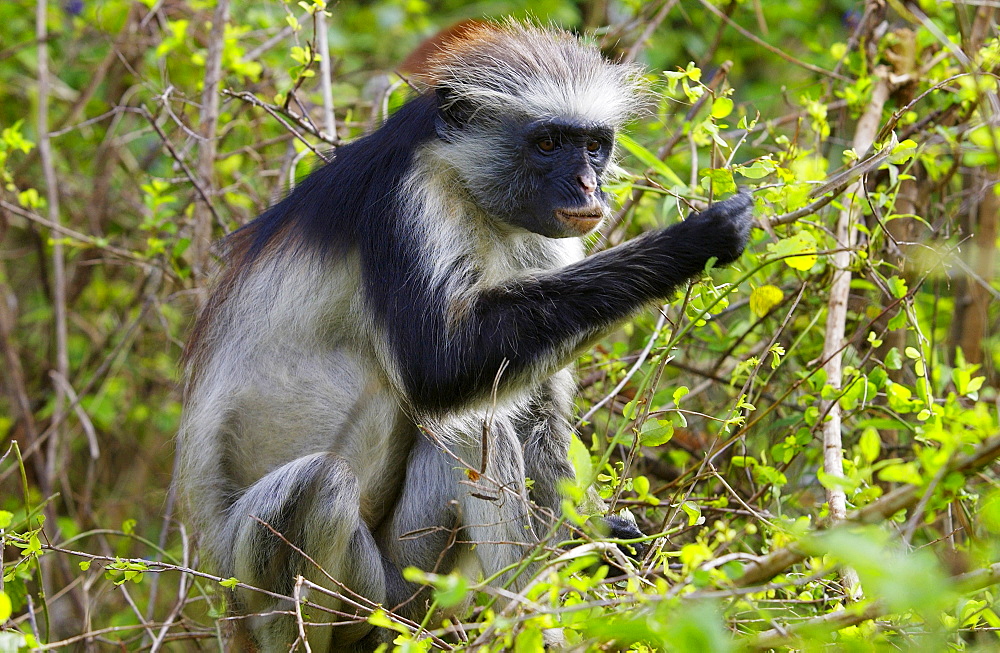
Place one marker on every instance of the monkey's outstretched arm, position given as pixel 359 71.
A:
pixel 535 324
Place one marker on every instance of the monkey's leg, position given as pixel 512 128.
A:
pixel 314 503
pixel 496 513
pixel 545 434
pixel 447 499
pixel 422 531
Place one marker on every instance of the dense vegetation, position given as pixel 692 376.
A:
pixel 809 437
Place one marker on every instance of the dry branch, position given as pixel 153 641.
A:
pixel 326 87
pixel 201 240
pixel 836 319
pixel 58 256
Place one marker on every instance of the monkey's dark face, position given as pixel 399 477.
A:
pixel 553 180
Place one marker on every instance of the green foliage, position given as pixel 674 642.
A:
pixel 714 440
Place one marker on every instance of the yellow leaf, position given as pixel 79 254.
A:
pixel 5 607
pixel 802 243
pixel 763 299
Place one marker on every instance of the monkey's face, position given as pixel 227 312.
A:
pixel 562 165
pixel 542 176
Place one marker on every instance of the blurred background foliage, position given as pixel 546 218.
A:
pixel 132 134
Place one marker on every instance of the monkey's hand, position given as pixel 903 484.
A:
pixel 724 227
pixel 623 527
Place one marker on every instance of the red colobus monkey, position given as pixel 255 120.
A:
pixel 413 302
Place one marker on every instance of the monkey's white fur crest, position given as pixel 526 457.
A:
pixel 538 72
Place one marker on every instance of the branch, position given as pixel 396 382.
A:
pixel 279 114
pixel 836 318
pixel 833 187
pixel 648 30
pixel 788 634
pixel 58 256
pixel 325 74
pixel 901 498
pixel 201 239
pixel 56 227
pixel 770 48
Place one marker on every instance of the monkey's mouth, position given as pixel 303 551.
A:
pixel 580 220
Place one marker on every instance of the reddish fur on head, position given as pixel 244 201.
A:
pixel 420 60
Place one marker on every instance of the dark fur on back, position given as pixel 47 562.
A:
pixel 336 208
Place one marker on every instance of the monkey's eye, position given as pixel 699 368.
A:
pixel 593 147
pixel 546 145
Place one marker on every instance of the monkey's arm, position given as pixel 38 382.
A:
pixel 535 324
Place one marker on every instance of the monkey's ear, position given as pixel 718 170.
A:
pixel 453 113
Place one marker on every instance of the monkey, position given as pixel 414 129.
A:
pixel 386 356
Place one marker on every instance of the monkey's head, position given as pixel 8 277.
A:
pixel 527 119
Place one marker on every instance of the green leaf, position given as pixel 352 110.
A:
pixel 650 160
pixel 719 181
pixel 870 444
pixel 900 397
pixel 380 619
pixel 799 250
pixel 451 589
pixel 897 287
pixel 903 152
pixel 656 432
pixel 757 170
pixel 693 512
pixel 831 481
pixel 34 546
pixel 579 457
pixel 721 107
pixel 230 582
pixel 641 485
pixel 529 640
pixel 901 473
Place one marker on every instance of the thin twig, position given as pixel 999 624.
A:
pixel 58 256
pixel 770 48
pixel 203 193
pixel 300 622
pixel 632 370
pixel 648 30
pixel 72 233
pixel 81 414
pixel 279 114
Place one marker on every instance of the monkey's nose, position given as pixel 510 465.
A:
pixel 588 181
